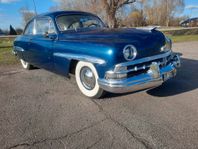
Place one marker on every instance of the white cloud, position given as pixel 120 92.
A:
pixel 192 7
pixel 8 1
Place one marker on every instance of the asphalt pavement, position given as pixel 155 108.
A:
pixel 41 110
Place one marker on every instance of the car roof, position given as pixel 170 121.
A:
pixel 57 13
pixel 54 14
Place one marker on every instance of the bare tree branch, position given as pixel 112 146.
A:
pixel 126 2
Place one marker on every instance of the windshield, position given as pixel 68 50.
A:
pixel 74 22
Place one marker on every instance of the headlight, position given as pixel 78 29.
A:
pixel 167 46
pixel 129 52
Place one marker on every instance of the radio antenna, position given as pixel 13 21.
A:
pixel 35 7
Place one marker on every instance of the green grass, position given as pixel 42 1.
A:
pixel 6 42
pixel 183 38
pixel 6 57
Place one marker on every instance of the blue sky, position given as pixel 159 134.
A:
pixel 9 10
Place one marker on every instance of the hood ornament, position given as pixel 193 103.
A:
pixel 149 28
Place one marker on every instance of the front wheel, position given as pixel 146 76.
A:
pixel 26 65
pixel 86 79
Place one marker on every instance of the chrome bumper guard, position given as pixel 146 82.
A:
pixel 154 77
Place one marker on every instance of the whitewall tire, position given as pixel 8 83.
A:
pixel 26 65
pixel 87 80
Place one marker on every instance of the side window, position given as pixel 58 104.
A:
pixel 44 25
pixel 29 28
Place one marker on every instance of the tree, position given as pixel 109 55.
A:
pixel 1 31
pixel 154 12
pixel 106 9
pixel 27 14
pixel 160 12
pixel 173 7
pixel 12 31
pixel 111 8
pixel 117 12
pixel 136 19
pixel 142 13
pixel 93 6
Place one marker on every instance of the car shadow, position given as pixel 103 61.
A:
pixel 185 81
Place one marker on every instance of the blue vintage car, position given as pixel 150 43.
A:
pixel 102 59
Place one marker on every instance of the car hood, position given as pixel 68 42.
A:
pixel 147 42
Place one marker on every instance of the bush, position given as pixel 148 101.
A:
pixel 182 32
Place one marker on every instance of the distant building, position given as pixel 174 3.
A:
pixel 191 22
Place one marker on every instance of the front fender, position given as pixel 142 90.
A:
pixel 99 54
pixel 63 60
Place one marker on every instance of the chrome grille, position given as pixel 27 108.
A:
pixel 143 65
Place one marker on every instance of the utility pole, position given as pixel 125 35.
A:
pixel 35 7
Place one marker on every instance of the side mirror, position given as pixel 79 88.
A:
pixel 50 36
pixel 46 35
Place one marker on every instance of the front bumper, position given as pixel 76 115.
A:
pixel 153 77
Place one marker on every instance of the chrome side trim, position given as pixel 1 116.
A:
pixel 142 60
pixel 16 48
pixel 80 57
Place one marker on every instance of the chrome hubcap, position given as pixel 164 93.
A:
pixel 87 78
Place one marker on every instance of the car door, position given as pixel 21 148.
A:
pixel 41 43
pixel 22 42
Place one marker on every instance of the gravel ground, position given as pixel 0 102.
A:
pixel 41 110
